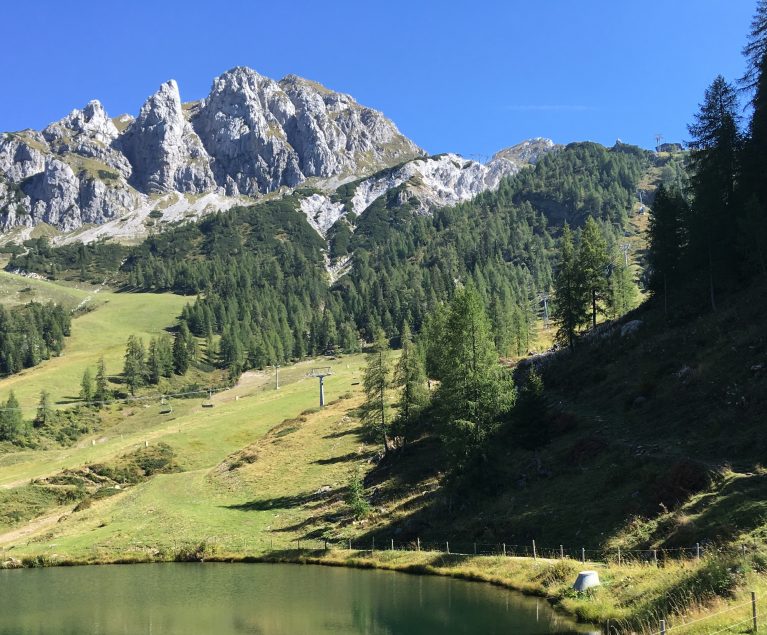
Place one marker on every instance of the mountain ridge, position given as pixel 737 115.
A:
pixel 250 137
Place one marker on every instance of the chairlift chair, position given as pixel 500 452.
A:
pixel 165 407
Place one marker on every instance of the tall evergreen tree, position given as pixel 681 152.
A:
pixel 410 378
pixel 570 293
pixel 134 368
pixel 715 148
pixel 181 353
pixel 101 394
pixel 376 383
pixel 593 261
pixel 667 241
pixel 45 413
pixel 11 421
pixel 86 387
pixel 474 390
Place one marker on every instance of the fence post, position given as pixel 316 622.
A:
pixel 350 544
pixel 697 551
pixel 504 548
pixel 583 555
pixel 655 556
pixel 475 548
pixel 561 552
pixel 663 627
pixel 374 545
pixel 535 553
pixel 447 547
pixel 392 544
pixel 418 544
pixel 753 608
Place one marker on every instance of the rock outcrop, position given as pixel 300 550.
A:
pixel 163 149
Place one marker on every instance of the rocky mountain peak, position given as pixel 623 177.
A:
pixel 163 149
pixel 91 122
pixel 249 136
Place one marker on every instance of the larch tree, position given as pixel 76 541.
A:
pixel 410 379
pixel 376 383
pixel 134 368
pixel 593 261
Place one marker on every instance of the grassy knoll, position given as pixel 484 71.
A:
pixel 102 331
pixel 15 289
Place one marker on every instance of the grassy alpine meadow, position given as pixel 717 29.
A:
pixel 263 475
pixel 16 289
pixel 102 331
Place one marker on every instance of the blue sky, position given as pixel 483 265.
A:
pixel 469 77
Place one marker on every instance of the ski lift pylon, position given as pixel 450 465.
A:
pixel 208 403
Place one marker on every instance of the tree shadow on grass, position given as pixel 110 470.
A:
pixel 344 458
pixel 278 502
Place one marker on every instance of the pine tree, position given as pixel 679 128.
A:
pixel 571 300
pixel 180 349
pixel 714 162
pixel 410 378
pixel 376 383
pixel 474 391
pixel 86 387
pixel 45 414
pixel 153 363
pixel 11 422
pixel 593 261
pixel 101 394
pixel 666 237
pixel 134 368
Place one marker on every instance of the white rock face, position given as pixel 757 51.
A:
pixel 264 134
pixel 88 133
pixel 444 180
pixel 321 212
pixel 164 151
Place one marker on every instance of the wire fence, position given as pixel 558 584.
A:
pixel 617 556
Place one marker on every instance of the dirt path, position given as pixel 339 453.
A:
pixel 33 526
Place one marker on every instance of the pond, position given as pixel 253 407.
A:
pixel 267 599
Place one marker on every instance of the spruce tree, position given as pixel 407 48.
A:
pixel 180 349
pixel 101 394
pixel 593 261
pixel 570 294
pixel 44 415
pixel 11 422
pixel 666 237
pixel 86 387
pixel 714 161
pixel 410 378
pixel 134 368
pixel 474 391
pixel 376 383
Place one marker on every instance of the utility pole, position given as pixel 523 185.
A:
pixel 625 247
pixel 321 373
pixel 658 139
